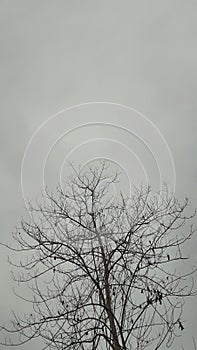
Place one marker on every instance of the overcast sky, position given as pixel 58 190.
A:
pixel 59 54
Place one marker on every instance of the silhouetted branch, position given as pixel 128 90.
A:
pixel 103 272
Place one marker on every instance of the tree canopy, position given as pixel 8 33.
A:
pixel 104 271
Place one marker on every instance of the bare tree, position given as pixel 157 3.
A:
pixel 104 272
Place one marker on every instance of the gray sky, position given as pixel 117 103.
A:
pixel 57 54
